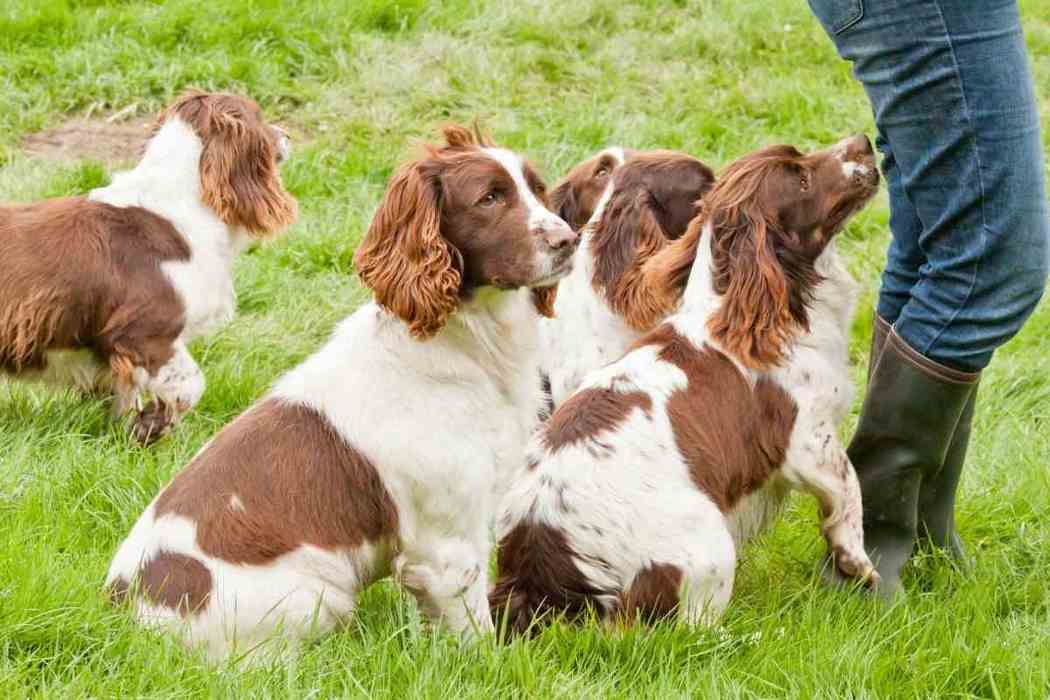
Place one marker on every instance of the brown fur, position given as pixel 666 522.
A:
pixel 732 436
pixel 546 578
pixel 239 173
pixel 652 202
pixel 298 481
pixel 543 300
pixel 589 413
pixel 653 595
pixel 430 244
pixel 176 581
pixel 81 274
pixel 771 214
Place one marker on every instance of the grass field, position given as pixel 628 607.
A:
pixel 558 81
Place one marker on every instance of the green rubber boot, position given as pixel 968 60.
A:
pixel 906 434
pixel 937 495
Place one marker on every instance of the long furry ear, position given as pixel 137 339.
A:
pixel 666 274
pixel 412 269
pixel 239 175
pixel 754 321
pixel 564 204
pixel 625 239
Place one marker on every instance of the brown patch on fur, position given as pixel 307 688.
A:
pixel 176 581
pixel 653 595
pixel 436 236
pixel 81 274
pixel 277 478
pixel 543 300
pixel 732 436
pixel 589 413
pixel 537 575
pixel 239 174
pixel 652 203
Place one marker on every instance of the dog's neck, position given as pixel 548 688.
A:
pixel 495 330
pixel 166 182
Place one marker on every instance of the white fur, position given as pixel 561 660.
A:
pixel 445 422
pixel 585 333
pixel 167 183
pixel 632 502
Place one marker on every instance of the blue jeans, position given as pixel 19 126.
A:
pixel 958 128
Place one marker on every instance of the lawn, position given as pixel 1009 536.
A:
pixel 557 80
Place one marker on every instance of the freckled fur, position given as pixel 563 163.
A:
pixel 679 489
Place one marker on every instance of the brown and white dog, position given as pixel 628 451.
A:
pixel 639 488
pixel 628 206
pixel 386 451
pixel 104 292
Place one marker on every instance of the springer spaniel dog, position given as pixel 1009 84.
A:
pixel 639 488
pixel 628 205
pixel 388 450
pixel 105 292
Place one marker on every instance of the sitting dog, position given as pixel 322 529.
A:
pixel 633 495
pixel 105 292
pixel 388 450
pixel 628 206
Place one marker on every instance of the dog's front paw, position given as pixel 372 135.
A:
pixel 151 423
pixel 857 566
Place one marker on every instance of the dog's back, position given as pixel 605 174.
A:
pixel 75 274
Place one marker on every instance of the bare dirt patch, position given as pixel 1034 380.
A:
pixel 80 138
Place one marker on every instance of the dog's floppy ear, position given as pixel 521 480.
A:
pixel 665 275
pixel 239 175
pixel 412 269
pixel 676 191
pixel 754 320
pixel 625 239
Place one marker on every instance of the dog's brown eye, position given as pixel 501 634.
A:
pixel 602 171
pixel 804 180
pixel 490 198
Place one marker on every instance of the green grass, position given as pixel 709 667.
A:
pixel 359 81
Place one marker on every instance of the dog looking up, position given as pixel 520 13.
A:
pixel 630 500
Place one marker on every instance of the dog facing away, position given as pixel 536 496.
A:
pixel 388 450
pixel 639 487
pixel 104 292
pixel 628 206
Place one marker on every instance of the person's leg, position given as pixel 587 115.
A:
pixel 953 101
pixel 904 257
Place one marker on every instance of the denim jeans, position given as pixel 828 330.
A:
pixel 958 129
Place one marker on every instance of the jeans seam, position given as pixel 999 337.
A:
pixel 972 135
